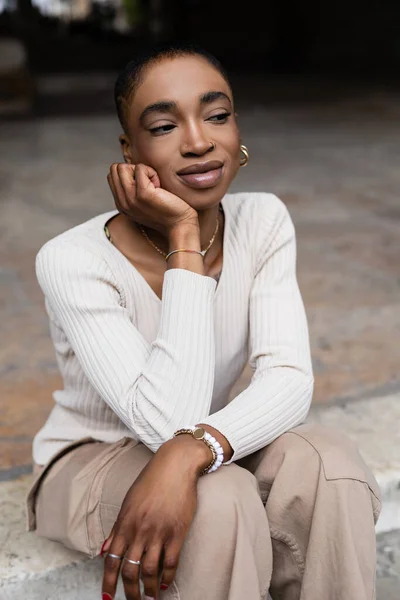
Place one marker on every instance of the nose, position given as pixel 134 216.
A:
pixel 195 141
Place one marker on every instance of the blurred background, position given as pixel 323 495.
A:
pixel 317 91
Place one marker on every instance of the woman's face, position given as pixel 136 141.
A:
pixel 181 117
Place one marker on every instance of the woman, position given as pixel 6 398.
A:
pixel 151 309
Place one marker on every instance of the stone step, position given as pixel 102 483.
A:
pixel 35 568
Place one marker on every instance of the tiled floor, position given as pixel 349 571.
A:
pixel 335 164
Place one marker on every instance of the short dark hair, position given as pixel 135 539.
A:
pixel 132 75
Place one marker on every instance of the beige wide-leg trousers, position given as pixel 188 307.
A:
pixel 295 518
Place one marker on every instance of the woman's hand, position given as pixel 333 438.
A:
pixel 138 194
pixel 155 518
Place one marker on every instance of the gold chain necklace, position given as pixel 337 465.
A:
pixel 203 252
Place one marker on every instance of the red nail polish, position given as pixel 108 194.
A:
pixel 106 596
pixel 163 586
pixel 102 548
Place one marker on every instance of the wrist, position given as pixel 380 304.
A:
pixel 193 455
pixel 185 233
pixel 185 237
pixel 221 439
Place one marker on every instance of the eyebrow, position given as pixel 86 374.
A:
pixel 163 106
pixel 170 106
pixel 209 97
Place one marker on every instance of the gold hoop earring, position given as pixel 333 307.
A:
pixel 245 159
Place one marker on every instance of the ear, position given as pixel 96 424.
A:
pixel 126 148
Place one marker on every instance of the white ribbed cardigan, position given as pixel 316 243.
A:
pixel 136 366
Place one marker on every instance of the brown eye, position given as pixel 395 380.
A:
pixel 220 118
pixel 162 129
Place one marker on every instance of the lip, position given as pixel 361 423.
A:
pixel 202 175
pixel 202 167
pixel 198 181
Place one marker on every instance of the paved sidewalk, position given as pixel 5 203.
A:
pixel 388 567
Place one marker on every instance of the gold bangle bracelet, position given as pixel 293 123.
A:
pixel 214 454
pixel 184 250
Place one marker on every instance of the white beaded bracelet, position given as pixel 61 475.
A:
pixel 203 435
pixel 218 449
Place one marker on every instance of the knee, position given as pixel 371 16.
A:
pixel 231 525
pixel 337 454
pixel 227 492
pixel 299 461
pixel 334 453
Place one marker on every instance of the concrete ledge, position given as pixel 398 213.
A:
pixel 35 568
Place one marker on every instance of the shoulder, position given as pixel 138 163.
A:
pixel 77 251
pixel 83 234
pixel 250 206
pixel 262 214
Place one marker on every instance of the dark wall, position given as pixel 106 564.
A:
pixel 299 34
pixel 274 35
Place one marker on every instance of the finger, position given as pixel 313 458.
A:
pixel 115 195
pixel 154 178
pixel 112 565
pixel 107 542
pixel 130 572
pixel 150 571
pixel 120 198
pixel 112 187
pixel 126 175
pixel 172 552
pixel 146 178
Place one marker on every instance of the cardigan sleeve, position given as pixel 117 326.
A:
pixel 153 388
pixel 280 392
